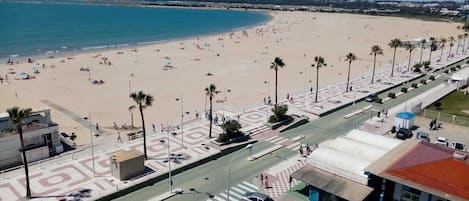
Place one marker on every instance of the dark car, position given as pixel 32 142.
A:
pixel 371 98
pixel 404 133
pixel 255 196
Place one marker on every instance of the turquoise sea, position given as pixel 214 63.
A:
pixel 28 29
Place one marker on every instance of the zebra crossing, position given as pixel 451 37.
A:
pixel 282 140
pixel 236 192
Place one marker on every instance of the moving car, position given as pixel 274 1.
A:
pixel 423 136
pixel 371 98
pixel 441 141
pixel 458 146
pixel 255 196
pixel 404 133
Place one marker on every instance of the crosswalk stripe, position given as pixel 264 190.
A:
pixel 241 191
pixel 279 138
pixel 281 141
pixel 246 188
pixel 269 139
pixel 234 194
pixel 219 198
pixel 223 195
pixel 293 145
pixel 250 185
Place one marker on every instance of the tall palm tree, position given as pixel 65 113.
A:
pixel 320 62
pixel 395 43
pixel 460 37
pixel 278 63
pixel 422 47
pixel 211 91
pixel 432 48
pixel 451 44
pixel 442 45
pixel 142 101
pixel 464 43
pixel 17 118
pixel 349 57
pixel 409 47
pixel 375 50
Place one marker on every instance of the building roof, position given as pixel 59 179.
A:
pixel 333 184
pixel 126 155
pixel 427 167
pixel 347 156
pixel 405 115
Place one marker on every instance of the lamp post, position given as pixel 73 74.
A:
pixel 182 120
pixel 92 145
pixel 249 147
pixel 267 84
pixel 169 165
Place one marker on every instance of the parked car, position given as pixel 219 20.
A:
pixel 423 136
pixel 255 196
pixel 458 146
pixel 371 98
pixel 404 133
pixel 441 141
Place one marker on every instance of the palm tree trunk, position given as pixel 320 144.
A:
pixel 348 75
pixel 421 54
pixel 410 57
pixel 144 133
pixel 374 66
pixel 449 54
pixel 276 77
pixel 131 120
pixel 25 162
pixel 457 47
pixel 464 44
pixel 393 60
pixel 210 118
pixel 317 83
pixel 430 57
pixel 441 56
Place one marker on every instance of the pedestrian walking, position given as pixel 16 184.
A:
pixel 308 149
pixel 301 150
pixel 97 126
pixel 266 184
pixel 115 126
pixel 196 114
pixel 311 90
pixel 154 128
pixel 119 139
pixel 265 101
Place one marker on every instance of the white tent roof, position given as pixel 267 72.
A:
pixel 349 155
pixel 373 139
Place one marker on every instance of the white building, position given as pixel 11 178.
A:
pixel 41 137
pixel 461 78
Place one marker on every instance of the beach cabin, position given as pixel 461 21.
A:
pixel 460 78
pixel 404 120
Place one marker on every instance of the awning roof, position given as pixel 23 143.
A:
pixel 333 184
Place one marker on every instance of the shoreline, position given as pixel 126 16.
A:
pixel 131 45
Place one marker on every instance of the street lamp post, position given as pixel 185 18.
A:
pixel 92 145
pixel 249 147
pixel 169 165
pixel 182 120
pixel 267 84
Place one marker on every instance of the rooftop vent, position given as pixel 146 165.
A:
pixel 460 155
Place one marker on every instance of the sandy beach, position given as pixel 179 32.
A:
pixel 239 62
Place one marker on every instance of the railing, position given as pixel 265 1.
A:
pixel 446 117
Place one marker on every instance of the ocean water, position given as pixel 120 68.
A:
pixel 39 29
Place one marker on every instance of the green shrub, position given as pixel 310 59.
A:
pixel 453 69
pixel 437 105
pixel 426 64
pixel 414 85
pixel 379 100
pixel 432 77
pixel 423 81
pixel 404 89
pixel 417 68
pixel 273 119
pixel 392 95
pixel 279 113
pixel 446 71
pixel 230 131
pixel 458 66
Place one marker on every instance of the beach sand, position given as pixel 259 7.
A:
pixel 239 63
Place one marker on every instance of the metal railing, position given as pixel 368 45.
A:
pixel 446 117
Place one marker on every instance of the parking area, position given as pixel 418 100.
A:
pixel 453 133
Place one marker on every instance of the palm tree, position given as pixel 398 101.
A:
pixel 375 50
pixel 142 101
pixel 320 62
pixel 432 48
pixel 460 37
pixel 395 43
pixel 409 47
pixel 422 47
pixel 278 63
pixel 17 118
pixel 211 91
pixel 349 57
pixel 442 42
pixel 451 44
pixel 464 43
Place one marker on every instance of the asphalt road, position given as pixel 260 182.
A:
pixel 211 178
